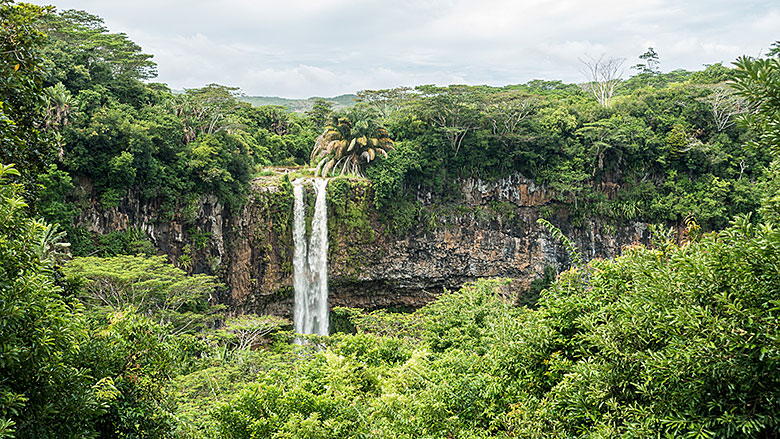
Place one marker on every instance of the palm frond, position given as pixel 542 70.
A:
pixel 328 166
pixel 349 143
pixel 319 165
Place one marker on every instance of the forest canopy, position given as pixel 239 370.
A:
pixel 668 142
pixel 679 338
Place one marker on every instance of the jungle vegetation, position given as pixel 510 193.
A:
pixel 100 338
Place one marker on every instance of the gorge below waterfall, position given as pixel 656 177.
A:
pixel 492 232
pixel 310 260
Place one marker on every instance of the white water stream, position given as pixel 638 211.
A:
pixel 310 261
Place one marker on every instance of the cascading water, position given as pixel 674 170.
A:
pixel 301 279
pixel 310 261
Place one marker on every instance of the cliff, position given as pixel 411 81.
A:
pixel 490 231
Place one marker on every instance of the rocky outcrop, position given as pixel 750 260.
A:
pixel 170 236
pixel 491 231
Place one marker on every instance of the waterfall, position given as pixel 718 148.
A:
pixel 300 263
pixel 310 261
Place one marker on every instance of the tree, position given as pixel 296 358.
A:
pixel 615 144
pixel 774 49
pixel 51 246
pixel 104 145
pixel 59 105
pixel 282 137
pixel 603 75
pixel 385 101
pixel 52 203
pixel 207 110
pixel 505 111
pixel 247 330
pixel 320 113
pixel 725 104
pixel 758 82
pixel 273 118
pixel 22 101
pixel 349 143
pixel 455 110
pixel 155 288
pixel 650 65
pixel 219 164
pixel 43 392
pixel 88 43
pixel 137 357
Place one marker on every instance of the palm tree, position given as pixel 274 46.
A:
pixel 60 103
pixel 51 245
pixel 350 142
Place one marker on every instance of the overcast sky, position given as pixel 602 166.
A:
pixel 303 48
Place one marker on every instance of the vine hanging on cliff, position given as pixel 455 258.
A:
pixel 571 248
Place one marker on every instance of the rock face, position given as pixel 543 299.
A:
pixel 493 232
pixel 490 232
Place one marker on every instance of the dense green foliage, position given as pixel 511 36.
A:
pixel 40 333
pixel 64 374
pixel 758 81
pixel 22 103
pixel 128 136
pixel 150 285
pixel 669 340
pixel 667 148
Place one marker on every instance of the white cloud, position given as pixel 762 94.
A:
pixel 768 22
pixel 300 48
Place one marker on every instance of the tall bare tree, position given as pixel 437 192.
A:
pixel 603 75
pixel 725 103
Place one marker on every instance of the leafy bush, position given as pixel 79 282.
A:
pixel 463 318
pixel 43 391
pixel 136 356
pixel 680 341
pixel 156 288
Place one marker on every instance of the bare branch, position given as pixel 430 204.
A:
pixel 725 104
pixel 603 75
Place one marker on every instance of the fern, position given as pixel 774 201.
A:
pixel 571 248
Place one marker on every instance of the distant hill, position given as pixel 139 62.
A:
pixel 300 105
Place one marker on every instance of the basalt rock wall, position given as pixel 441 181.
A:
pixel 491 231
